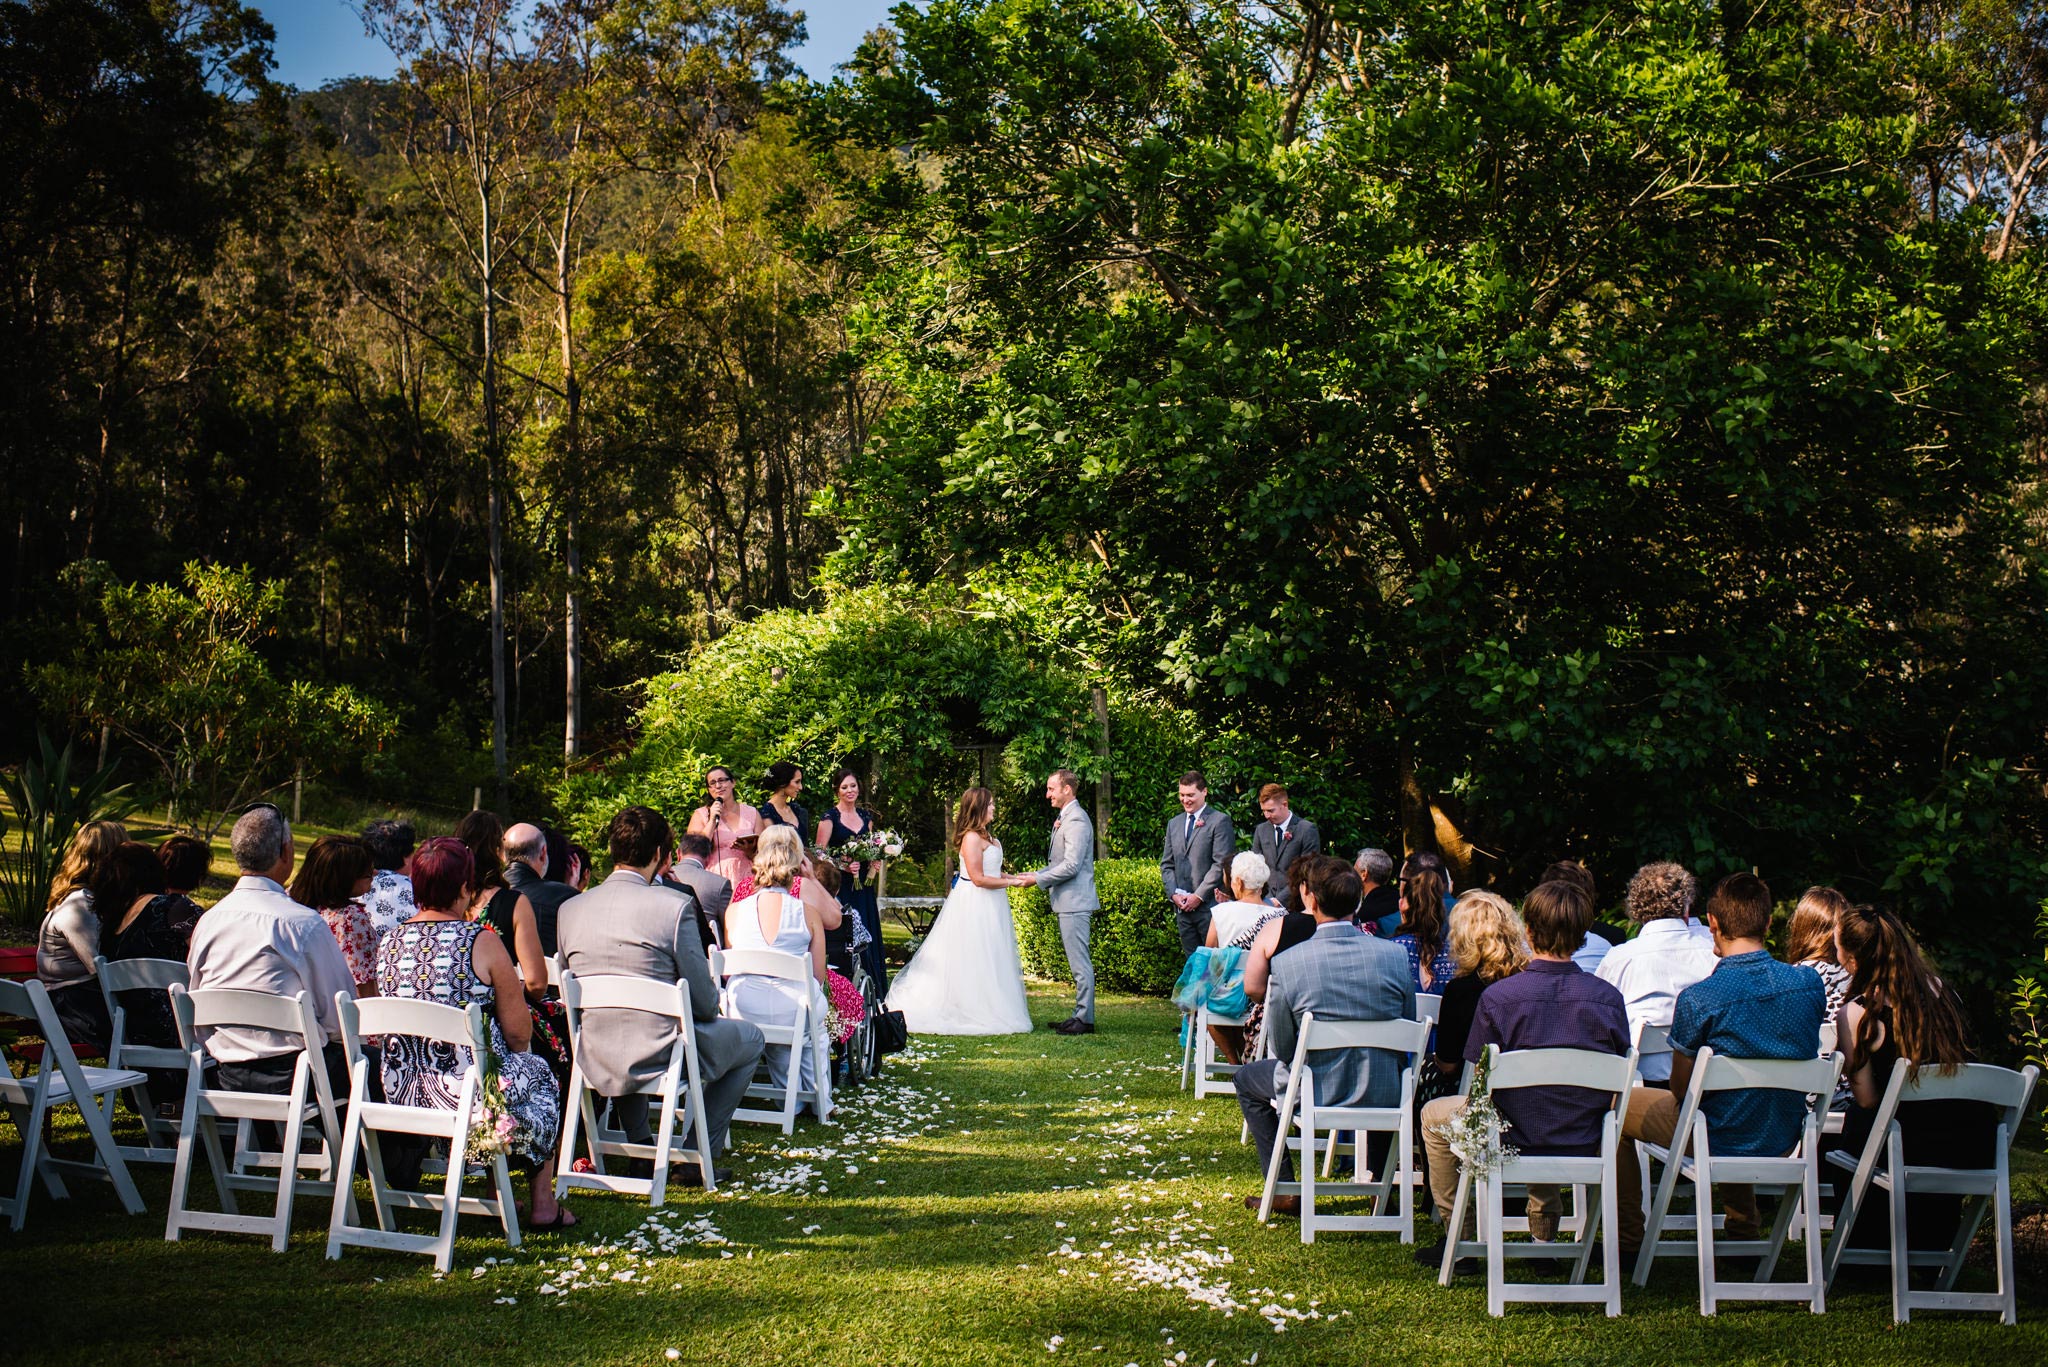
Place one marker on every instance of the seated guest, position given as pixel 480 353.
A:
pixel 141 923
pixel 69 937
pixel 1341 973
pixel 1425 895
pixel 1898 1008
pixel 484 833
pixel 528 861
pixel 389 900
pixel 631 925
pixel 713 891
pixel 578 876
pixel 1488 944
pixel 1810 943
pixel 442 956
pixel 1279 934
pixel 777 916
pixel 333 881
pixel 257 939
pixel 1669 954
pixel 1750 1006
pixel 1235 924
pixel 186 862
pixel 1600 936
pixel 1550 1004
pixel 1379 910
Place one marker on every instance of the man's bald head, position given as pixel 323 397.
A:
pixel 529 845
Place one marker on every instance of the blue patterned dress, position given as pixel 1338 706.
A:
pixel 432 961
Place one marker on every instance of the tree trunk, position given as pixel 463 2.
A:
pixel 493 477
pixel 1425 826
pixel 572 469
pixel 1102 784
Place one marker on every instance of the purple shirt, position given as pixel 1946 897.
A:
pixel 1551 1005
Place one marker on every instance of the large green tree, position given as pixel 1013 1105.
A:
pixel 1559 406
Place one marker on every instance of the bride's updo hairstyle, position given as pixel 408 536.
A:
pixel 977 807
pixel 778 857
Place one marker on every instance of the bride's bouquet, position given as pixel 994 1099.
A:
pixel 864 855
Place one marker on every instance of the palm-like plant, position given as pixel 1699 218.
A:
pixel 50 807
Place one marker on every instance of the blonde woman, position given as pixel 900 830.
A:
pixel 967 978
pixel 70 933
pixel 777 916
pixel 1488 943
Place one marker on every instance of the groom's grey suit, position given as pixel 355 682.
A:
pixel 1069 882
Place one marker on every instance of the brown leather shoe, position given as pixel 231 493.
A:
pixel 1282 1205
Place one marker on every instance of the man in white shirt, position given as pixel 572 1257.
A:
pixel 257 939
pixel 1669 954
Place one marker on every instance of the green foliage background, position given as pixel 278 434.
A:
pixel 1132 941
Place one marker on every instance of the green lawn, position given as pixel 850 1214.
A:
pixel 981 1199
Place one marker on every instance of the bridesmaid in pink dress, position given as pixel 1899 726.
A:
pixel 730 825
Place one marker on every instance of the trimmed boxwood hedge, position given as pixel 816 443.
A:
pixel 1133 942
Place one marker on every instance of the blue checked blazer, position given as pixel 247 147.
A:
pixel 1341 973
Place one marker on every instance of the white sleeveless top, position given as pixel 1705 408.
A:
pixel 792 933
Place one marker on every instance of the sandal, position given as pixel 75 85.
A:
pixel 564 1219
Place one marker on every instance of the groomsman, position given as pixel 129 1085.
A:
pixel 1283 838
pixel 1192 862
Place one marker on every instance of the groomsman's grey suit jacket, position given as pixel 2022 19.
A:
pixel 1197 858
pixel 1280 850
pixel 1069 873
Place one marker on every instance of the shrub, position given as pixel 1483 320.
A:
pixel 1132 943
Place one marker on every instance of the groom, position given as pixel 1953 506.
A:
pixel 1069 882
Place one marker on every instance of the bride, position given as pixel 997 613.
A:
pixel 966 978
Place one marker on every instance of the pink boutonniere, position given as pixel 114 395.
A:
pixel 1199 823
pixel 1288 836
pixel 1056 823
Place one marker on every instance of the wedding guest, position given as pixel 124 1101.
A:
pixel 712 891
pixel 442 956
pixel 186 862
pixel 1488 943
pixel 1197 850
pixel 579 868
pixel 1424 891
pixel 1278 935
pixel 333 880
pixel 775 916
pixel 389 900
pixel 1810 942
pixel 561 856
pixel 783 782
pixel 1550 1004
pixel 484 833
pixel 69 936
pixel 1600 936
pixel 1669 954
pixel 142 923
pixel 631 925
pixel 1341 973
pixel 529 856
pixel 845 820
pixel 257 939
pixel 729 824
pixel 1379 910
pixel 1236 924
pixel 507 909
pixel 1283 837
pixel 1898 1009
pixel 1750 1006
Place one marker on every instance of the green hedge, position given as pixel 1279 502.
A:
pixel 1133 942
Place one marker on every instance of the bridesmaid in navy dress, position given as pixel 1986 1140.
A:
pixel 845 820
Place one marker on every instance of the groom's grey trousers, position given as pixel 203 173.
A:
pixel 1074 927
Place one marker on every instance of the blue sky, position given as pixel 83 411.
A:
pixel 318 40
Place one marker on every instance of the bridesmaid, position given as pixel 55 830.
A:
pixel 730 825
pixel 784 782
pixel 844 820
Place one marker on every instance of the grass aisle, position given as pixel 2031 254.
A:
pixel 983 1199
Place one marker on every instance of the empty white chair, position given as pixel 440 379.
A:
pixel 806 1031
pixel 1303 1125
pixel 1883 1166
pixel 1212 1073
pixel 117 976
pixel 681 1084
pixel 1794 1178
pixel 462 1027
pixel 1611 1073
pixel 61 1081
pixel 308 1105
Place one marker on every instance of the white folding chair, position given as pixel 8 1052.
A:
pixel 554 963
pixel 1303 1124
pixel 1429 1005
pixel 60 1081
pixel 1212 1073
pixel 680 1083
pixel 308 1105
pixel 463 1028
pixel 118 976
pixel 1794 1178
pixel 1883 1165
pixel 807 1031
pixel 1583 1068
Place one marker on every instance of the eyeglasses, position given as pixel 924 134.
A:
pixel 719 782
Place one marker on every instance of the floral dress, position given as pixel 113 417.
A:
pixel 434 961
pixel 357 934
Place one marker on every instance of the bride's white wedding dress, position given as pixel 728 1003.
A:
pixel 966 979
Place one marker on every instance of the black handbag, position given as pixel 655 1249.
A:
pixel 892 1036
